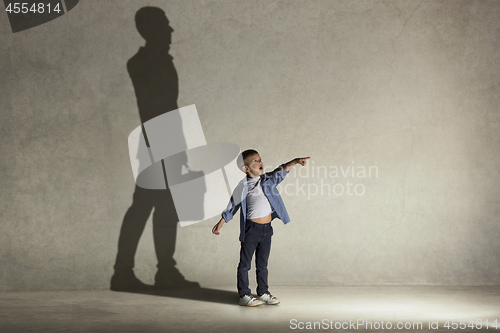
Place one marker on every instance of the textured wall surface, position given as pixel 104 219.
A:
pixel 403 93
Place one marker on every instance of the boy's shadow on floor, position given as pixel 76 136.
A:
pixel 194 294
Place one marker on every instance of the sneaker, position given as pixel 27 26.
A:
pixel 268 298
pixel 249 300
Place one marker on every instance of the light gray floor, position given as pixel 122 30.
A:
pixel 216 309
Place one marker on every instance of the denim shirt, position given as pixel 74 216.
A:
pixel 269 181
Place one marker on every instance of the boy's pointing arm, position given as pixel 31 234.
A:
pixel 292 163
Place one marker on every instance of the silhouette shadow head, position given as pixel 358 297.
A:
pixel 153 25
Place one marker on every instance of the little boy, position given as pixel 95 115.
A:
pixel 260 203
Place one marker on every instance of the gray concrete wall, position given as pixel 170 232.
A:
pixel 410 88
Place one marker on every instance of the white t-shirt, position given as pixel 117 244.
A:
pixel 257 203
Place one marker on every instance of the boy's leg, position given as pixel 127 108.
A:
pixel 261 258
pixel 246 254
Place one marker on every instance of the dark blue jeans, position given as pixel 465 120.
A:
pixel 258 240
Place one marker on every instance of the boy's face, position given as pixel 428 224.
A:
pixel 255 167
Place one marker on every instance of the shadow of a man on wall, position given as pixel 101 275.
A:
pixel 156 86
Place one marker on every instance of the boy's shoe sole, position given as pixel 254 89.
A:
pixel 269 299
pixel 249 300
pixel 253 304
pixel 272 303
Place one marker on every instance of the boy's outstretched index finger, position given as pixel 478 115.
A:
pixel 302 160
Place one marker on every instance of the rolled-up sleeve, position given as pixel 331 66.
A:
pixel 231 209
pixel 278 174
